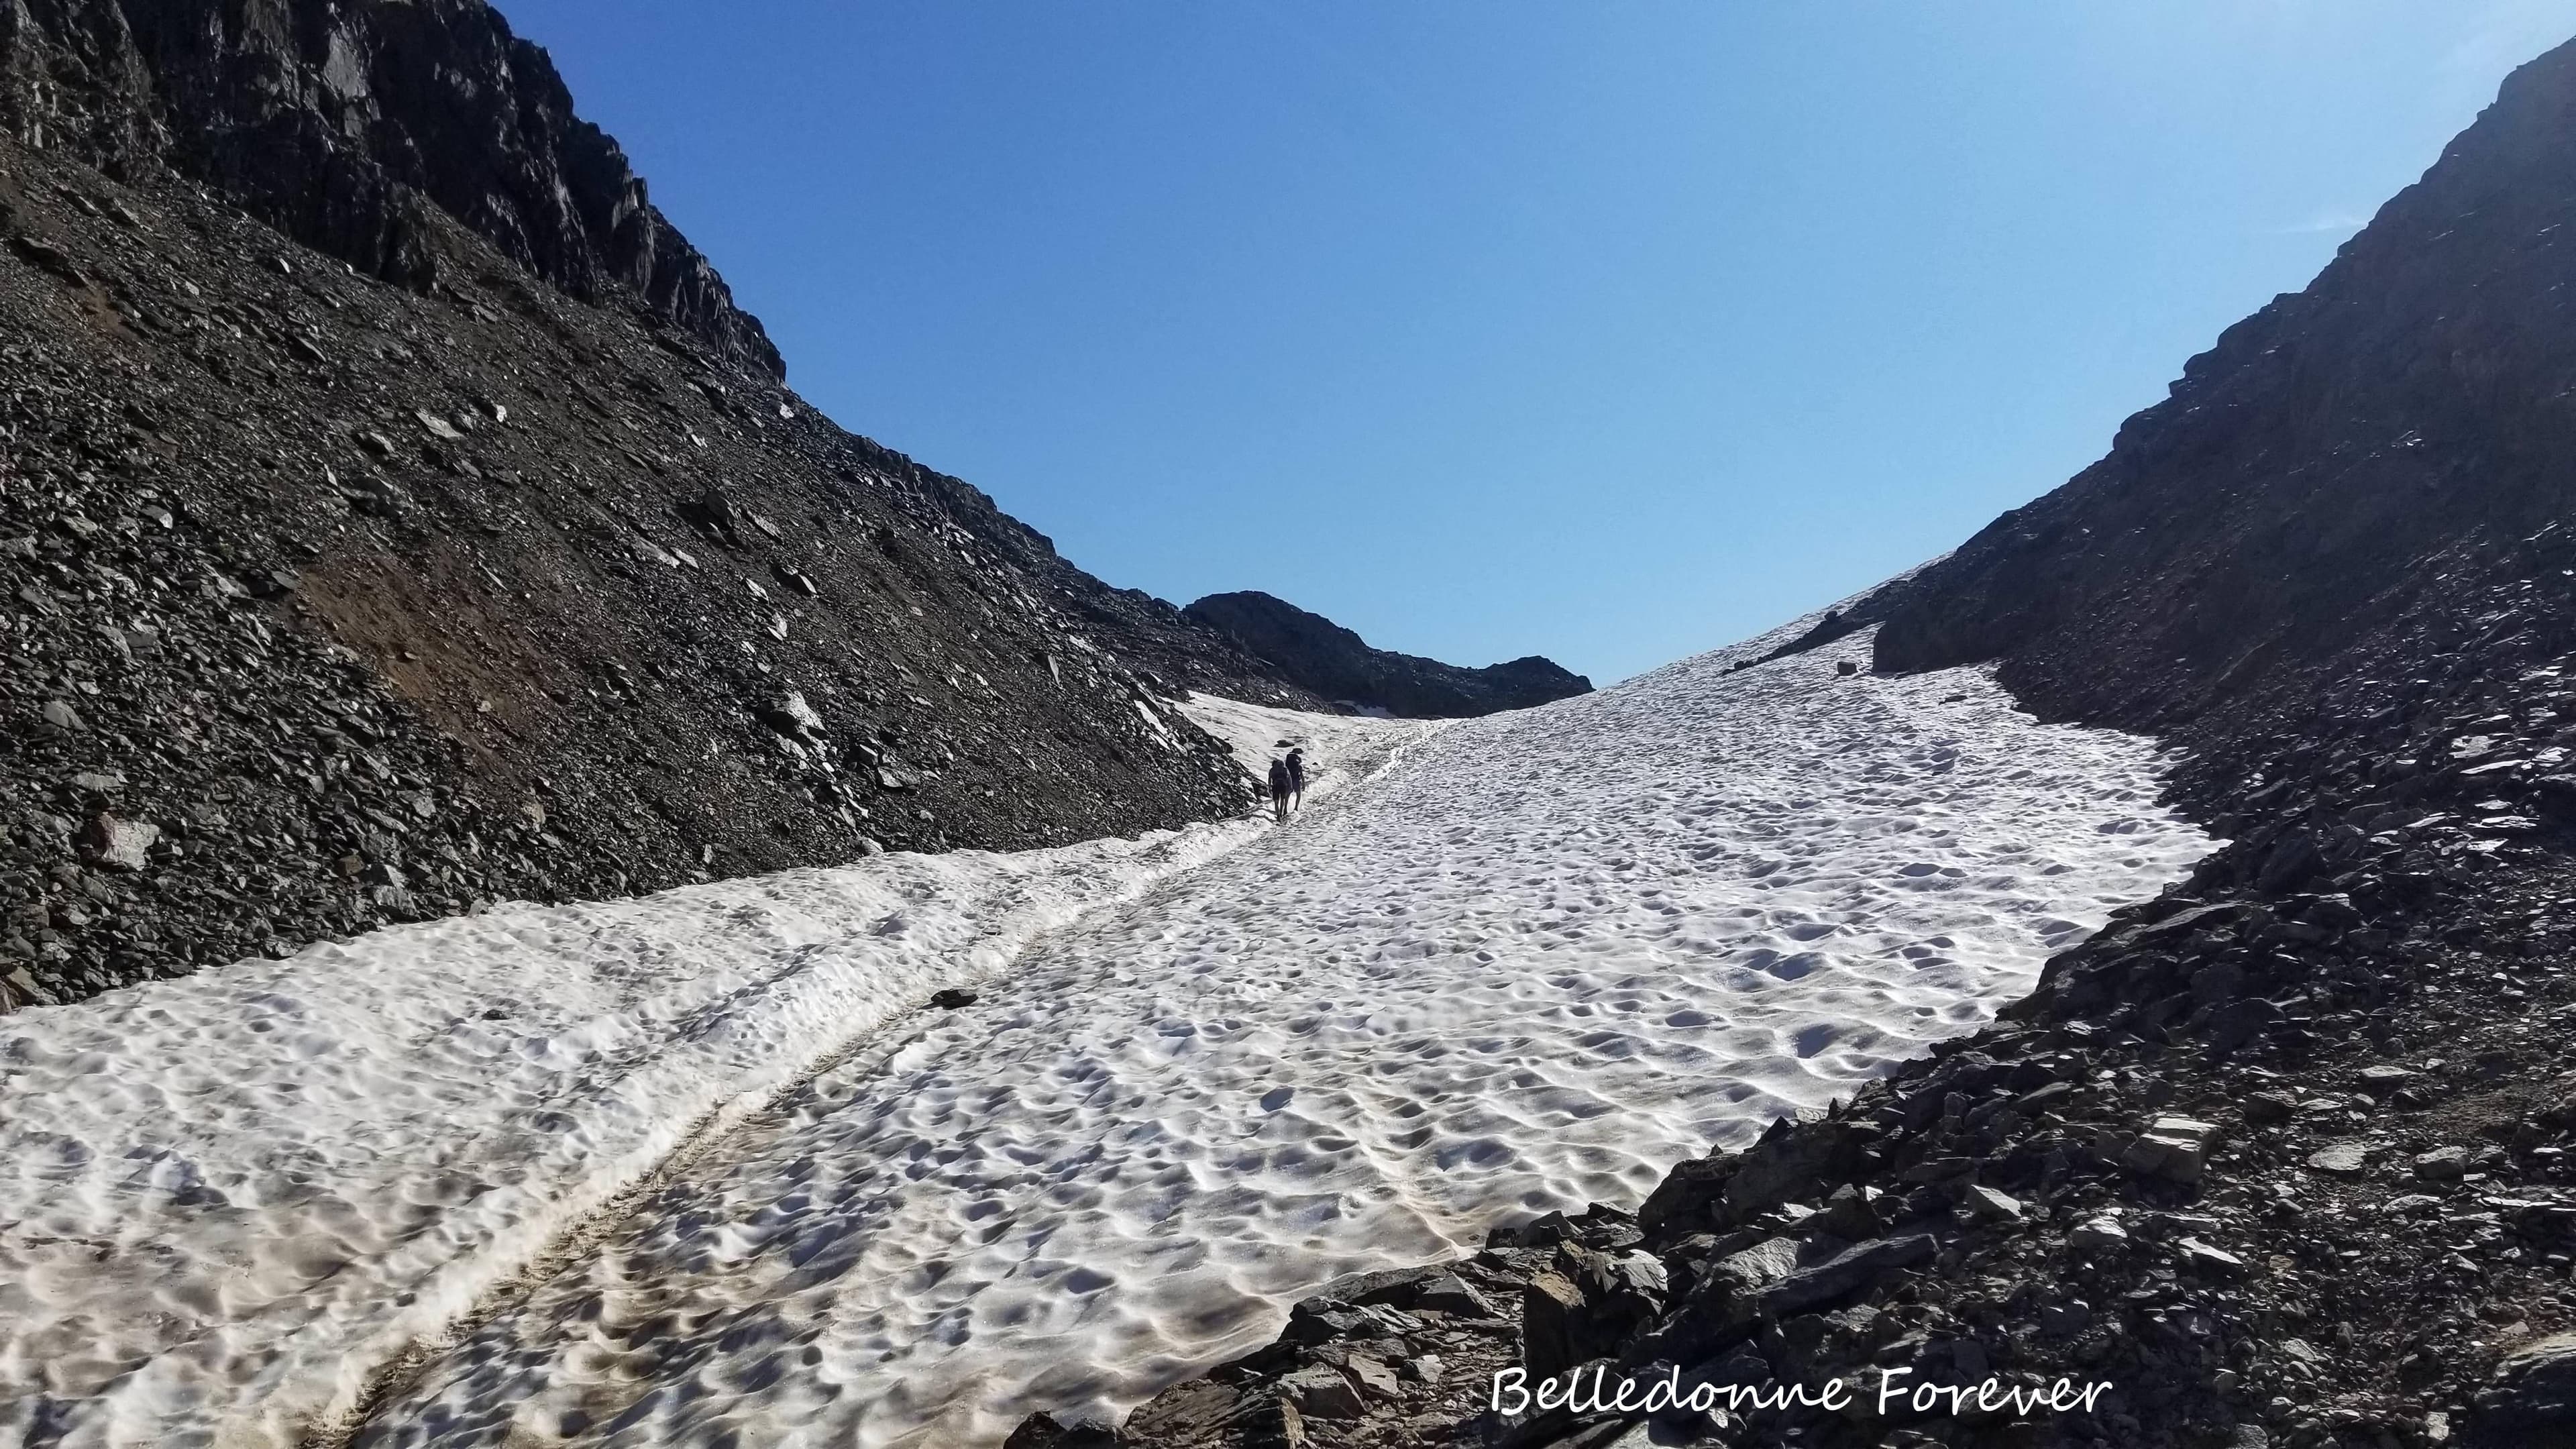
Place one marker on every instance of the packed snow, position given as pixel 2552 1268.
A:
pixel 667 1170
pixel 227 1203
pixel 1529 965
pixel 229 1198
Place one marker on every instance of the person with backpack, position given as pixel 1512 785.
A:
pixel 1280 785
pixel 1297 778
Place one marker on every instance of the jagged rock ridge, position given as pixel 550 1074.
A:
pixel 345 124
pixel 1322 656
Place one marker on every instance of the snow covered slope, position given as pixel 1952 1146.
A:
pixel 223 1199
pixel 226 1201
pixel 1531 965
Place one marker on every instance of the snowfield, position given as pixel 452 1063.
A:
pixel 1528 966
pixel 227 1203
pixel 700 1168
pixel 226 1198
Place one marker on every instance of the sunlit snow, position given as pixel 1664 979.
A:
pixel 653 1171
pixel 1532 964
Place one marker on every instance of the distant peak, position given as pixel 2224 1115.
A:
pixel 1316 654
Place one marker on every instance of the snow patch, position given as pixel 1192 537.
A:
pixel 1260 733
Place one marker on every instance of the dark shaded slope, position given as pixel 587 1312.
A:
pixel 1319 655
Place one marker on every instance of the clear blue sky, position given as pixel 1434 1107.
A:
pixel 1611 331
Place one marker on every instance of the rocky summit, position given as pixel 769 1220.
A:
pixel 398 515
pixel 1328 660
pixel 361 130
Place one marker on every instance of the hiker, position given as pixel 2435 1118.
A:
pixel 1297 777
pixel 1280 785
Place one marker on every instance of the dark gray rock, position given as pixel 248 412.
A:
pixel 2531 1401
pixel 1323 1392
pixel 372 115
pixel 1045 1431
pixel 1587 1306
pixel 1450 1294
pixel 1845 1273
pixel 49 258
pixel 1556 1324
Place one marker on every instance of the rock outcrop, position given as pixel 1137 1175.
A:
pixel 348 125
pixel 1326 659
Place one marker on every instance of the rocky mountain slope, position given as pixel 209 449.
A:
pixel 396 513
pixel 1326 659
pixel 2321 474
pixel 347 603
pixel 2283 1157
pixel 355 129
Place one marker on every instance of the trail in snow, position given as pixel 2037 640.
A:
pixel 1546 956
pixel 226 1202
